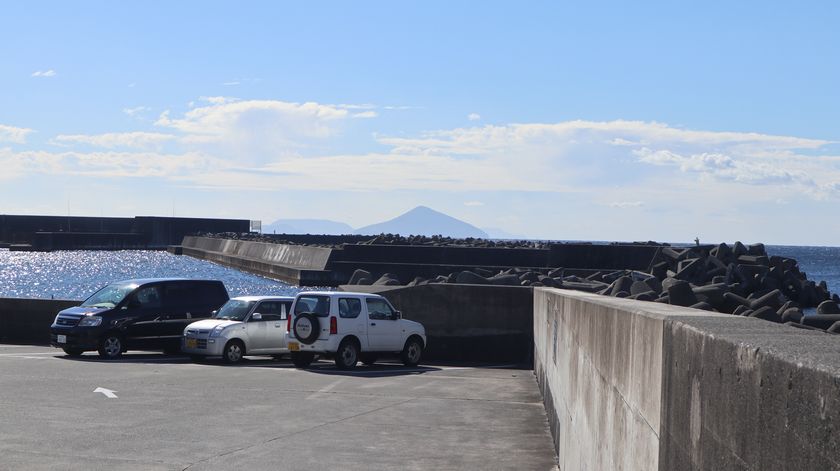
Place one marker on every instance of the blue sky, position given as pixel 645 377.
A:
pixel 584 120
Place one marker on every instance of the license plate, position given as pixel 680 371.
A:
pixel 294 347
pixel 192 343
pixel 61 339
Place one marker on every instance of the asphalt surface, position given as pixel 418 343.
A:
pixel 171 414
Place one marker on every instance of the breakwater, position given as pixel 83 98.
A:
pixel 333 265
pixel 47 233
pixel 637 385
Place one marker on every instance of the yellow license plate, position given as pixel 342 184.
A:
pixel 294 347
pixel 191 343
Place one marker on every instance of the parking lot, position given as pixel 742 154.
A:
pixel 150 411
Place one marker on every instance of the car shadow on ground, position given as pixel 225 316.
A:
pixel 324 367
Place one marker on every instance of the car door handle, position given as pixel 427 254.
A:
pixel 278 324
pixel 373 323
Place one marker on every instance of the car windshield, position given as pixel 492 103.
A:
pixel 235 310
pixel 109 296
pixel 318 305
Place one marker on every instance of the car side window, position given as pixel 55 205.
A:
pixel 148 297
pixel 271 310
pixel 379 309
pixel 349 308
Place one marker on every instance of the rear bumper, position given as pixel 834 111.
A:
pixel 329 345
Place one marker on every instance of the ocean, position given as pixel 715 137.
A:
pixel 77 274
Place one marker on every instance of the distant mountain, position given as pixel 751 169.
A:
pixel 307 226
pixel 424 221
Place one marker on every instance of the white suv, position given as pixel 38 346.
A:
pixel 351 327
pixel 247 325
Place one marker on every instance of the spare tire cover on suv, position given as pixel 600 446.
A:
pixel 306 327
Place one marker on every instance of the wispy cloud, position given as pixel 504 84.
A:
pixel 140 140
pixel 366 114
pixel 14 134
pixel 43 73
pixel 230 84
pixel 135 111
pixel 626 204
pixel 473 116
pixel 473 203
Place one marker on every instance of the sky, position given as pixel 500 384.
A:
pixel 593 120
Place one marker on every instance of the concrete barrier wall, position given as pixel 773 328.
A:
pixel 314 258
pixel 635 385
pixel 467 322
pixel 29 320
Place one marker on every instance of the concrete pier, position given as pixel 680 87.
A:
pixel 635 385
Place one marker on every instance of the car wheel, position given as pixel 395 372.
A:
pixel 73 352
pixel 347 355
pixel 233 352
pixel 302 359
pixel 412 352
pixel 369 359
pixel 110 346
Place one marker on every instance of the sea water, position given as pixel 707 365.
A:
pixel 75 274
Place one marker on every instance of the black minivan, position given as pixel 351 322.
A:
pixel 147 314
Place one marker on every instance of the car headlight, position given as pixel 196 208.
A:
pixel 90 321
pixel 217 331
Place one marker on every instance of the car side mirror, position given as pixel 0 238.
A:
pixel 256 316
pixel 396 315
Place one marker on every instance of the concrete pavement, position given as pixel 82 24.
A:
pixel 172 414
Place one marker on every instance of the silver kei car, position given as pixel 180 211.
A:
pixel 245 325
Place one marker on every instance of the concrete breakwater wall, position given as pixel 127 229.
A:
pixel 308 265
pixel 635 385
pixel 467 322
pixel 29 320
pixel 46 233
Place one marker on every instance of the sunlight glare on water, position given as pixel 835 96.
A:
pixel 76 274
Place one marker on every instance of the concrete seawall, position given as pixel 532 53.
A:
pixel 635 385
pixel 29 320
pixel 467 322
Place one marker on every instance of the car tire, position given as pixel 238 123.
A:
pixel 233 352
pixel 306 322
pixel 73 352
pixel 302 359
pixel 369 359
pixel 347 355
pixel 111 346
pixel 412 352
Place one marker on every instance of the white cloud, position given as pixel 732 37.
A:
pixel 230 84
pixel 230 120
pixel 14 134
pixel 43 73
pixel 473 116
pixel 626 204
pixel 473 203
pixel 113 140
pixel 137 110
pixel 366 114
